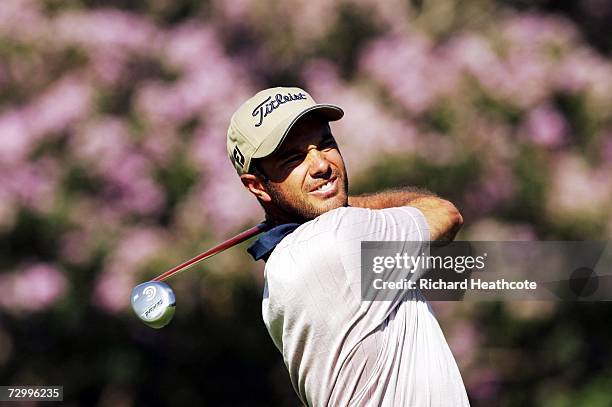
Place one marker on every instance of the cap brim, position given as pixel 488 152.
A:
pixel 271 143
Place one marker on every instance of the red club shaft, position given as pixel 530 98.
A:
pixel 239 238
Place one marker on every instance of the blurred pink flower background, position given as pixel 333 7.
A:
pixel 113 125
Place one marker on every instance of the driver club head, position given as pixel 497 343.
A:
pixel 154 303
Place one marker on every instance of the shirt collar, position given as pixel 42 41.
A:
pixel 263 247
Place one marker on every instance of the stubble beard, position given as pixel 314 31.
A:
pixel 300 210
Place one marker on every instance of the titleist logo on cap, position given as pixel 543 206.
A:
pixel 269 105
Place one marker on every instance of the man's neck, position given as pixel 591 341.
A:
pixel 275 217
pixel 276 221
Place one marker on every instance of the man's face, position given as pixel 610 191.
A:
pixel 306 176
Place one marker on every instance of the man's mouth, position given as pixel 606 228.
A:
pixel 326 189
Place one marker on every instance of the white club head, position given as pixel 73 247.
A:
pixel 154 303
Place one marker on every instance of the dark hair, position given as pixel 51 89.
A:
pixel 255 169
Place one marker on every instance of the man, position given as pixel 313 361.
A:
pixel 339 349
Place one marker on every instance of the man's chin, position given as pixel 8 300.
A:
pixel 331 204
pixel 302 210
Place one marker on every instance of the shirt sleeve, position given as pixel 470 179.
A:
pixel 402 223
pixel 398 230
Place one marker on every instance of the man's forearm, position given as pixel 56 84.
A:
pixel 443 218
pixel 388 199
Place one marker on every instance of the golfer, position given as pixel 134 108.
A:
pixel 339 349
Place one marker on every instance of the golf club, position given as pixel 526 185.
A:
pixel 154 301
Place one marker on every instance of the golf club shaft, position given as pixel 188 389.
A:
pixel 217 249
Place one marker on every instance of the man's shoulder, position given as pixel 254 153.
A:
pixel 310 259
pixel 312 240
pixel 323 235
pixel 327 225
pixel 351 222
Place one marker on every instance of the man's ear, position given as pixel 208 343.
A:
pixel 255 186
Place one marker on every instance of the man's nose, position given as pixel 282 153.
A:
pixel 319 165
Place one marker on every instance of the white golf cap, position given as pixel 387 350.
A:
pixel 261 124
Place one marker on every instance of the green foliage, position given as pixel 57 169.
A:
pixel 531 172
pixel 395 172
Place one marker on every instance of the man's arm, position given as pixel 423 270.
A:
pixel 443 218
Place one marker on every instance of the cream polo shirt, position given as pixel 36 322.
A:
pixel 340 350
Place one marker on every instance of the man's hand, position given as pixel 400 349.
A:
pixel 443 218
